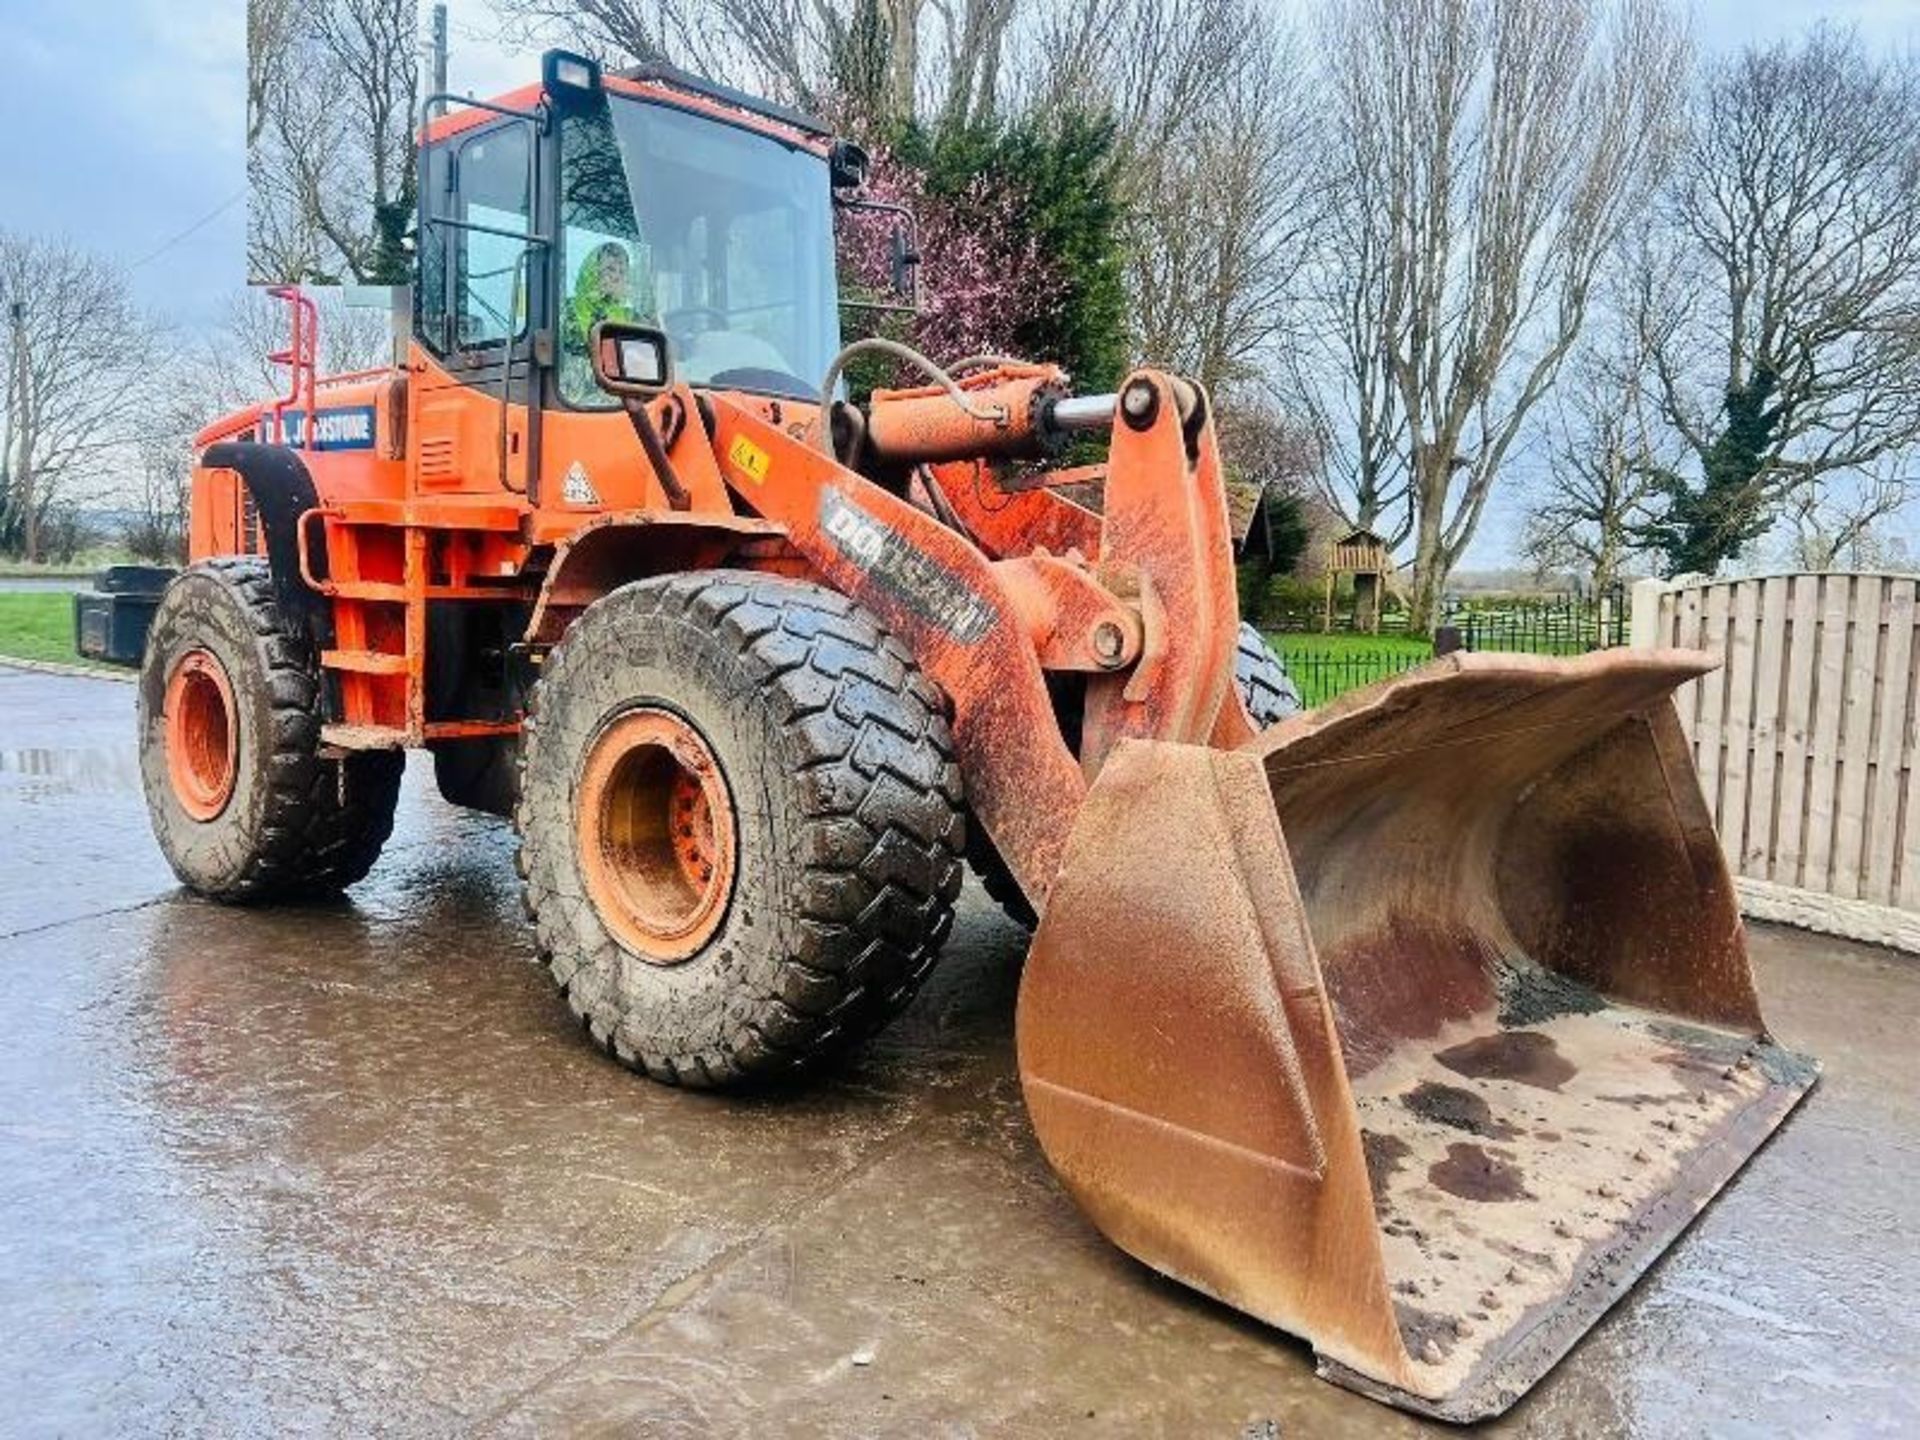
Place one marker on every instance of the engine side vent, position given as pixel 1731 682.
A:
pixel 439 462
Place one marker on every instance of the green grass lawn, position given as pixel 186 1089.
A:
pixel 38 625
pixel 1343 644
pixel 1324 666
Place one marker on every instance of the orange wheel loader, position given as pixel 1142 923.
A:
pixel 1416 1025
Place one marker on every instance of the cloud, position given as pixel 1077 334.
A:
pixel 142 106
pixel 187 79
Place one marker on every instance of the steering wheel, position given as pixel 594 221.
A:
pixel 673 321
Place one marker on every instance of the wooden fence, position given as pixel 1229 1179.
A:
pixel 1805 740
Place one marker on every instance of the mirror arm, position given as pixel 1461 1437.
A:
pixel 879 307
pixel 678 496
pixel 912 262
pixel 446 99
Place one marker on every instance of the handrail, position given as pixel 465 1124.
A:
pixel 300 357
pixel 300 527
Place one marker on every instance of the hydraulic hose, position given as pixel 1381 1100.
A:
pixel 876 346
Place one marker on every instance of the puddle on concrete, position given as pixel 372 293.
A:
pixel 46 771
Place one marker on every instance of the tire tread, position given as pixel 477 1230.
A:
pixel 881 839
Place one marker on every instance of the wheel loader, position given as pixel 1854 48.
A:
pixel 1417 1024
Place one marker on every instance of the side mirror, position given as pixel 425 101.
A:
pixel 631 361
pixel 906 264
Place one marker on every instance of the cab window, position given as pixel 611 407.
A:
pixel 603 263
pixel 721 236
pixel 490 275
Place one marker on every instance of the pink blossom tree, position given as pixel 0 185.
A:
pixel 982 276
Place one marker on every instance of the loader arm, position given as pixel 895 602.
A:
pixel 947 604
pixel 988 630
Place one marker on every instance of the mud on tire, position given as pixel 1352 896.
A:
pixel 290 824
pixel 846 815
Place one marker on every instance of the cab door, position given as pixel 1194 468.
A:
pixel 479 310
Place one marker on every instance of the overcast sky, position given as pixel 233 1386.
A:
pixel 123 125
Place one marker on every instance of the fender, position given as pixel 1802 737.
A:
pixel 634 544
pixel 282 491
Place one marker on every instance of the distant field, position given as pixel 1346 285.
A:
pixel 38 625
pixel 83 564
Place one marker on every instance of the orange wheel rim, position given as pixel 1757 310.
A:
pixel 203 734
pixel 656 835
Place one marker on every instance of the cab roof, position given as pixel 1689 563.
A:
pixel 663 83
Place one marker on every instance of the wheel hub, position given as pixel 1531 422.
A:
pixel 203 734
pixel 656 833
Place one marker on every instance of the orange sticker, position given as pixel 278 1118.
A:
pixel 749 459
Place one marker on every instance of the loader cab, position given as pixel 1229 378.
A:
pixel 627 198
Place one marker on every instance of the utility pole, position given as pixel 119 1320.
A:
pixel 439 50
pixel 22 398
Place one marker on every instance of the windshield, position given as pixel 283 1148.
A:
pixel 721 236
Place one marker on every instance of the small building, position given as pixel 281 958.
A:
pixel 1367 557
pixel 1247 523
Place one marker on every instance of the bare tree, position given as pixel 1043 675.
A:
pixel 270 32
pixel 1156 67
pixel 159 504
pixel 1598 488
pixel 330 162
pixel 76 356
pixel 1502 149
pixel 1607 450
pixel 1339 373
pixel 1787 328
pixel 1220 195
pixel 1838 520
pixel 867 57
pixel 1263 444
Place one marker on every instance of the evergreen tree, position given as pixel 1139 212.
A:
pixel 1059 180
pixel 1714 521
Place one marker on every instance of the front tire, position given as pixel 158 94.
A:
pixel 243 806
pixel 740 823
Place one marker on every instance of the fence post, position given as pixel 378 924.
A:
pixel 1645 631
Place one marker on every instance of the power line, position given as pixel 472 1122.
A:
pixel 197 226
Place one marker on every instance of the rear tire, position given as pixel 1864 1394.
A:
pixel 1270 697
pixel 242 804
pixel 740 824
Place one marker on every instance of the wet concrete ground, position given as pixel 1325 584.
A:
pixel 350 1168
